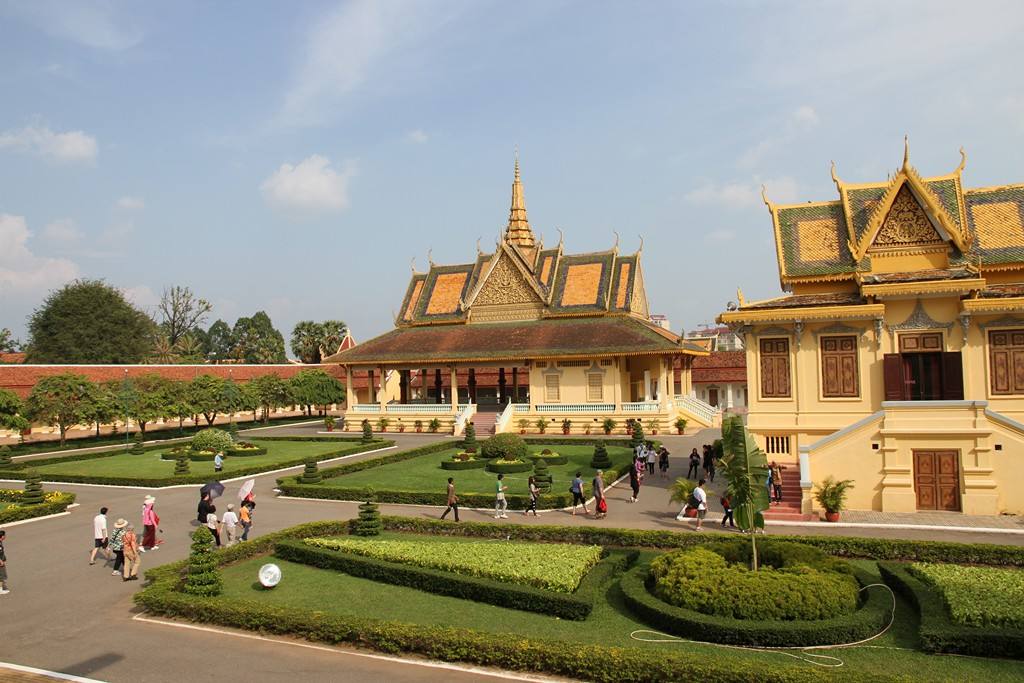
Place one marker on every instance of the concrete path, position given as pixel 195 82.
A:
pixel 64 615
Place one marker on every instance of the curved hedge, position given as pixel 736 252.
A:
pixel 869 619
pixel 553 459
pixel 54 502
pixel 501 467
pixel 474 464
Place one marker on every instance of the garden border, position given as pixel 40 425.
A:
pixel 22 513
pixel 938 632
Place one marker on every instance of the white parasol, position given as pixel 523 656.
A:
pixel 246 489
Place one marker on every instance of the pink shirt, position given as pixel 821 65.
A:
pixel 148 517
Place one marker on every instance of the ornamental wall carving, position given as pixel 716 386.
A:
pixel 906 224
pixel 505 285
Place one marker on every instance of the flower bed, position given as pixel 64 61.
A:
pixel 509 466
pixel 240 450
pixel 550 457
pixel 11 509
pixel 977 596
pixel 459 464
pixel 550 566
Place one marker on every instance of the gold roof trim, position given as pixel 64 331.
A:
pixel 805 314
pixel 889 289
pixel 1001 305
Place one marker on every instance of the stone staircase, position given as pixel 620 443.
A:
pixel 789 509
pixel 483 422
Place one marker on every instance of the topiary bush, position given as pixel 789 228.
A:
pixel 203 576
pixel 469 442
pixel 369 523
pixel 702 580
pixel 637 437
pixel 181 465
pixel 212 439
pixel 137 447
pixel 33 489
pixel 601 460
pixel 367 432
pixel 5 457
pixel 504 446
pixel 541 475
pixel 233 431
pixel 311 475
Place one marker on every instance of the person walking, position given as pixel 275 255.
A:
pixel 150 522
pixel 230 523
pixel 534 493
pixel 600 503
pixel 132 556
pixel 218 462
pixel 576 489
pixel 245 518
pixel 117 545
pixel 99 535
pixel 4 590
pixel 634 480
pixel 701 500
pixel 709 463
pixel 213 525
pixel 694 464
pixel 776 474
pixel 453 500
pixel 652 457
pixel 663 462
pixel 500 504
pixel 726 502
pixel 204 507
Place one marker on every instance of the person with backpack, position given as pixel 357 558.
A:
pixel 698 501
pixel 727 507
pixel 694 464
pixel 663 462
pixel 576 489
pixel 652 457
pixel 634 479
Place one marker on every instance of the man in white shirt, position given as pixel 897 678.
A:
pixel 230 522
pixel 99 534
pixel 702 502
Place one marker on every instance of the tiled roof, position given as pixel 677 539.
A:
pixel 803 300
pixel 12 357
pixel 1002 291
pixel 606 335
pixel 995 217
pixel 814 240
pixel 718 367
pixel 921 275
pixel 582 282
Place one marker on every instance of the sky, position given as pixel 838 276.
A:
pixel 299 158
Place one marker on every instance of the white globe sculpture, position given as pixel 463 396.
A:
pixel 270 575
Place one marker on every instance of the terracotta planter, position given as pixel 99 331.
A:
pixel 678 430
pixel 522 431
pixel 330 428
pixel 565 431
pixel 691 512
pixel 419 429
pixel 831 516
pixel 26 432
pixel 654 432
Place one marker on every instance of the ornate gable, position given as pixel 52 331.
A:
pixel 906 224
pixel 505 284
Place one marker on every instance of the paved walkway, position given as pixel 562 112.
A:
pixel 64 615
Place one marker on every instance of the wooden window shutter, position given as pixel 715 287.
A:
pixel 595 386
pixel 952 376
pixel 775 368
pixel 551 386
pixel 1006 362
pixel 839 367
pixel 895 386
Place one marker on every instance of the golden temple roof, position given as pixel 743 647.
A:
pixel 518 231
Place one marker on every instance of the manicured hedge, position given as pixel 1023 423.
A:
pixel 196 456
pixel 349 449
pixel 599 663
pixel 501 467
pixel 576 605
pixel 462 464
pixel 938 632
pixel 57 502
pixel 869 619
pixel 554 459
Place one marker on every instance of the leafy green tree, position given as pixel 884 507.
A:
pixel 104 407
pixel 151 400
pixel 179 404
pixel 163 352
pixel 88 321
pixel 190 349
pixel 10 407
pixel 206 395
pixel 203 573
pixel 316 388
pixel 218 341
pixel 63 400
pixel 232 398
pixel 272 392
pixel 181 312
pixel 312 341
pixel 7 342
pixel 256 341
pixel 746 469
pixel 249 399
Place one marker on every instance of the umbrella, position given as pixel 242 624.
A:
pixel 214 488
pixel 246 489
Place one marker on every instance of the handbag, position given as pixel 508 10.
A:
pixel 602 505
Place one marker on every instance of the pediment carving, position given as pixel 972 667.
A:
pixel 906 224
pixel 505 284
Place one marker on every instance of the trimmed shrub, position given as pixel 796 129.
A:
pixel 368 523
pixel 550 457
pixel 505 446
pixel 541 475
pixel 508 467
pixel 181 465
pixel 203 576
pixel 212 439
pixel 469 441
pixel 637 434
pixel 601 460
pixel 367 431
pixel 12 508
pixel 977 596
pixel 138 448
pixel 473 464
pixel 5 457
pixel 33 494
pixel 701 580
pixel 311 475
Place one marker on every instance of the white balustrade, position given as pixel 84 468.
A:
pixel 563 408
pixel 501 424
pixel 366 408
pixel 467 411
pixel 641 407
pixel 419 408
pixel 521 407
pixel 705 411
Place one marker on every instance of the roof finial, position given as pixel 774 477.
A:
pixel 739 297
pixel 561 237
pixel 478 249
pixel 616 245
pixel 764 197
pixel 518 231
pixel 412 264
pixel 641 247
pixel 430 258
pixel 906 151
pixel 963 161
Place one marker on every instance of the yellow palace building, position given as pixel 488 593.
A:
pixel 897 358
pixel 560 339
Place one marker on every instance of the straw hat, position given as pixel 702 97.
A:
pixel 231 506
pixel 121 523
pixel 149 499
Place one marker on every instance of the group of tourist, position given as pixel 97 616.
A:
pixel 122 545
pixel 645 457
pixel 225 530
pixel 707 460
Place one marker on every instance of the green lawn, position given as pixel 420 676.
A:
pixel 423 474
pixel 978 596
pixel 149 465
pixel 610 624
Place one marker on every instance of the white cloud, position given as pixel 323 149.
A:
pixel 417 136
pixel 742 195
pixel 719 236
pixel 142 296
pixel 349 45
pixel 806 116
pixel 131 203
pixel 96 24
pixel 62 232
pixel 310 186
pixel 73 146
pixel 20 269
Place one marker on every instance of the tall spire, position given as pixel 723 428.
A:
pixel 518 231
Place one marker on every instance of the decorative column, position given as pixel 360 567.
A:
pixel 515 384
pixel 350 397
pixel 455 391
pixel 437 385
pixel 728 396
pixel 382 395
pixel 472 385
pixel 647 385
pixel 502 394
pixel 371 386
pixel 663 374
pixel 403 386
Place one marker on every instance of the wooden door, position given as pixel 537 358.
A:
pixel 937 480
pixel 713 396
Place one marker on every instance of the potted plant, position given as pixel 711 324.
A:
pixel 401 426
pixel 680 492
pixel 434 425
pixel 586 430
pixel 382 424
pixel 566 426
pixel 541 425
pixel 329 423
pixel 654 428
pixel 831 495
pixel 524 424
pixel 418 424
pixel 608 425
pixel 680 424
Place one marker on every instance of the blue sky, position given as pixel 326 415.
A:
pixel 294 157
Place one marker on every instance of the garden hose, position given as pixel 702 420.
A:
pixel 804 654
